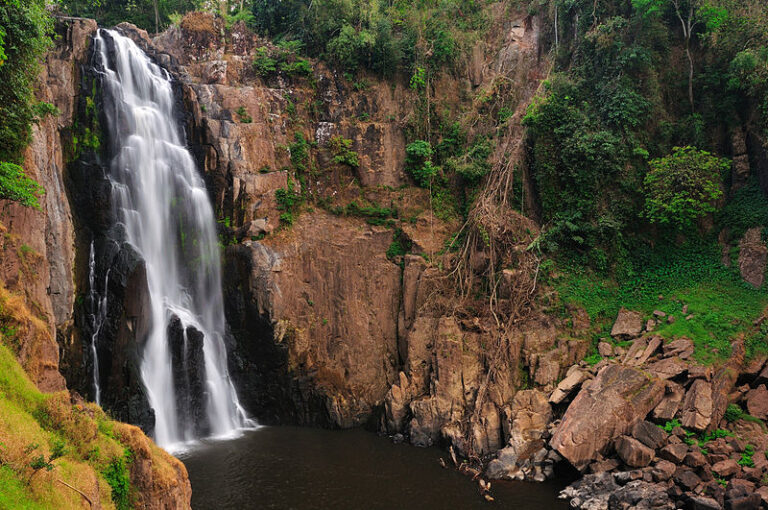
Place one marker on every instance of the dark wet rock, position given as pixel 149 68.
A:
pixel 686 479
pixel 188 375
pixel 640 495
pixel 649 434
pixel 591 492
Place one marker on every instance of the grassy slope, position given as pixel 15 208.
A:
pixel 722 305
pixel 75 444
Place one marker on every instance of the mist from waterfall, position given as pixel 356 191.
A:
pixel 161 201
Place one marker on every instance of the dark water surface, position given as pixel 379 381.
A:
pixel 293 468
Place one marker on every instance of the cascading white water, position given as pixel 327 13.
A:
pixel 98 315
pixel 161 200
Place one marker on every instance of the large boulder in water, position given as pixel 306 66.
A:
pixel 608 407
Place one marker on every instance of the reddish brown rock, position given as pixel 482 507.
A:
pixel 668 368
pixel 696 409
pixel 629 324
pixel 752 257
pixel 681 347
pixel 674 452
pixel 613 402
pixel 633 452
pixel 649 434
pixel 670 403
pixel 726 468
pixel 757 402
pixel 663 470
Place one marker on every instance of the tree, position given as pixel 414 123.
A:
pixel 683 186
pixel 690 13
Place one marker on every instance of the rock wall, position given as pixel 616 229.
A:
pixel 327 330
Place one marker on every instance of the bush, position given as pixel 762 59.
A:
pixel 733 413
pixel 16 186
pixel 119 479
pixel 418 162
pixel 683 186
pixel 341 148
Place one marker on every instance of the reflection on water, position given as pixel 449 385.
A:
pixel 292 468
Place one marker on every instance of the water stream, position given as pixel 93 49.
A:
pixel 163 206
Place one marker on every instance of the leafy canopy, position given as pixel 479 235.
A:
pixel 683 186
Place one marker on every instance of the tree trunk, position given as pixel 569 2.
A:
pixel 690 76
pixel 157 17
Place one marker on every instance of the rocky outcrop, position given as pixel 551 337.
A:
pixel 753 255
pixel 617 398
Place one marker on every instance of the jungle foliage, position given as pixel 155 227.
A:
pixel 631 82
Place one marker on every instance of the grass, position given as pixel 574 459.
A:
pixel 46 440
pixel 722 305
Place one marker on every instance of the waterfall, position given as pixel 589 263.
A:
pixel 98 314
pixel 162 204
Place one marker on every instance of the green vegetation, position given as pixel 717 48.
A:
pixel 746 457
pixel 610 116
pixel 25 27
pixel 341 148
pixel 151 15
pixel 242 114
pixel 733 413
pixel 721 304
pixel 381 37
pixel 683 186
pixel 15 185
pixel 119 479
pixel 282 58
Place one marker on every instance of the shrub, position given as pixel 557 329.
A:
pixel 418 162
pixel 16 186
pixel 263 63
pixel 683 186
pixel 118 477
pixel 733 413
pixel 342 154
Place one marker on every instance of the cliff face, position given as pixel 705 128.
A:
pixel 38 266
pixel 327 329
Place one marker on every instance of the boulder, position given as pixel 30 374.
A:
pixel 681 347
pixel 702 503
pixel 753 255
pixel 649 434
pixel 640 495
pixel 674 452
pixel 726 468
pixel 653 345
pixel 757 402
pixel 663 471
pixel 617 398
pixel 695 459
pixel 633 452
pixel 591 491
pixel 628 325
pixel 572 381
pixel 605 349
pixel 696 411
pixel 670 403
pixel 668 368
pixel 687 479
